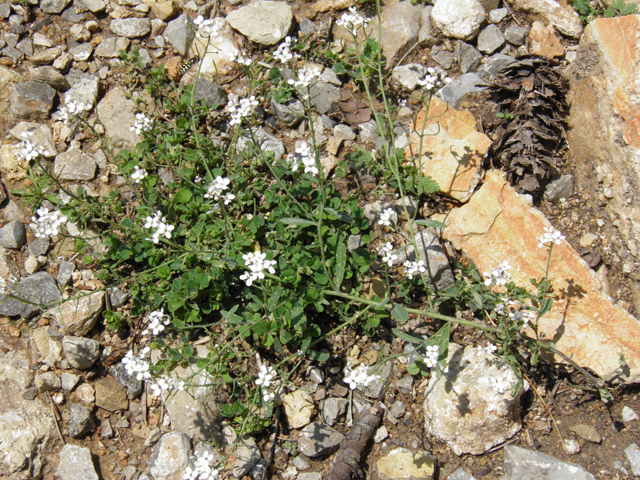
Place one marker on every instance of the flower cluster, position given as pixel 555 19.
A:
pixel 202 469
pixel 265 380
pixel 351 20
pixel 431 357
pixel 358 377
pixel 138 174
pixel 162 229
pixel 240 109
pixel 306 77
pixel 239 58
pixel 206 28
pixel 257 263
pixel 550 236
pixel 47 223
pixel 283 52
pixel 138 366
pixel 28 149
pixel 216 190
pixel 522 316
pixel 3 286
pixel 411 269
pixel 386 252
pixel 71 108
pixel 504 382
pixel 434 79
pixel 502 308
pixel 157 322
pixel 386 217
pixel 164 384
pixel 499 275
pixel 305 155
pixel 141 124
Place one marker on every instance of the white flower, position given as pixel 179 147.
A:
pixel 157 321
pixel 206 28
pixel 283 52
pixel 257 263
pixel 138 174
pixel 504 382
pixel 141 124
pixel 551 235
pixel 28 150
pixel 306 77
pixel 351 20
pixel 413 268
pixel 358 377
pixel 202 469
pixel 47 223
pixel 499 275
pixel 240 109
pixel 165 384
pixel 3 286
pixel 265 375
pixel 239 58
pixel 71 108
pixel 386 252
pixel 386 217
pixel 216 190
pixel 434 79
pixel 138 366
pixel 431 357
pixel 305 155
pixel 162 229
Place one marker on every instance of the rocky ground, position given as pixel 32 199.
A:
pixel 70 409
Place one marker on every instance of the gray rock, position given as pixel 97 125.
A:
pixel 522 464
pixel 343 132
pixel 587 432
pixel 213 94
pixel 153 437
pixel 490 39
pixel 265 142
pixel 617 464
pixel 400 29
pixel 11 39
pixel 117 113
pixel 26 46
pixel 106 431
pixel 442 57
pixel 632 453
pixel 64 273
pixel 493 65
pixel 82 52
pixel 75 165
pixel 266 23
pixel 80 352
pixel 31 100
pixel 110 395
pixel 47 56
pixel 54 6
pixel 117 297
pixel 455 91
pixel 69 381
pixel 354 242
pixel 130 473
pixel 94 5
pixel 409 75
pixel 179 33
pixel 333 409
pixel 76 464
pixel 71 15
pixel 170 456
pixel 13 53
pixel 79 33
pixel 63 62
pixel 80 421
pixel 428 35
pixel 398 409
pixel 30 393
pixel 123 423
pixel 323 95
pixel 375 388
pixel 40 246
pixel 301 463
pixel 461 474
pixel 405 384
pixel 130 27
pixel 497 15
pixel 369 133
pixel 310 476
pixel 110 47
pixel 560 188
pixel 13 235
pixel 381 434
pixel 33 293
pixel 49 345
pixel 459 19
pixel 47 382
pixel 318 439
pixel 628 415
pixel 430 251
pixel 288 113
pixel 5 10
pixel 516 35
pixel 133 386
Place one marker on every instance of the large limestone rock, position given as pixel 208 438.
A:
pixel 464 409
pixel 558 13
pixel 452 149
pixel 262 22
pixel 400 28
pixel 605 116
pixel 117 113
pixel 458 18
pixel 499 225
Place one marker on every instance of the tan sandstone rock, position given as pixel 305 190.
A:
pixel 558 13
pixel 299 408
pixel 452 149
pixel 543 42
pixel 497 225
pixel 79 316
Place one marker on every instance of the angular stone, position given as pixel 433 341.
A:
pixel 318 439
pixel 409 75
pixel 246 452
pixel 262 22
pixel 47 382
pixel 8 77
pixel 164 10
pixel 467 56
pixel 31 100
pixel 80 421
pixel 453 150
pixel 213 94
pixel 560 188
pixel 50 76
pixel 80 352
pixel 13 235
pixel 69 381
pixel 428 35
pixel 133 386
pixel 79 316
pixel 299 408
pixel 333 409
pixel 47 56
pixel 82 52
pixel 54 6
pixel 288 113
pixel 430 251
pixel 543 42
pixel 322 6
pixel 94 5
pixel 110 47
pixel 490 39
pixel 402 464
pixel 130 27
pixel 587 432
pixel 39 134
pixel 561 15
pixel 628 415
pixel 75 165
pixel 117 113
pixel 632 452
pixel 110 395
pixel 456 90
pixel 323 96
pixel 75 464
pixel 170 456
pixel 521 464
pixel 497 225
pixel 516 35
pixel 605 116
pixel 459 19
pixel 462 408
pixel 179 33
pixel 33 293
pixel 49 347
pixel 401 24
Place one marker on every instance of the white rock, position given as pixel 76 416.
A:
pixel 458 18
pixel 75 463
pixel 465 409
pixel 262 22
pixel 628 415
pixel 299 408
pixel 572 446
pixel 563 17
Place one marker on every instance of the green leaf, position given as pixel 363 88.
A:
pixel 341 262
pixel 319 356
pixel 382 303
pixel 183 196
pixel 405 336
pixel 400 313
pixel 430 223
pixel 339 215
pixel 413 369
pixel 545 306
pixel 299 222
pixel 339 69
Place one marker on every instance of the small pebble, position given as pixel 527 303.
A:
pixel 572 446
pixel 381 434
pixel 628 415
